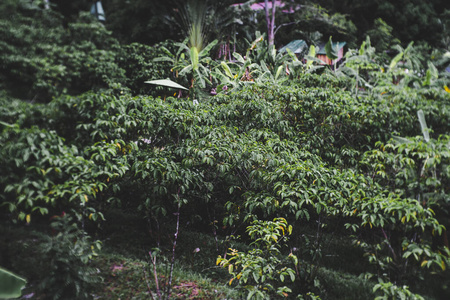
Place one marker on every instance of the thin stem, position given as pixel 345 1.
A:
pixel 169 285
pixel 148 285
pixel 388 243
pixel 155 275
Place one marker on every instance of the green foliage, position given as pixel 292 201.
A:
pixel 340 154
pixel 425 26
pixel 138 62
pixel 416 168
pixel 332 52
pixel 262 270
pixel 64 261
pixel 41 59
pixel 392 291
pixel 45 173
pixel 262 65
pixel 416 20
pixel 55 255
pixel 243 156
pixel 381 35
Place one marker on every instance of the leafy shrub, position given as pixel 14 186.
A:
pixel 262 271
pixel 44 174
pixel 315 151
pixel 64 259
pixel 390 290
pixel 41 59
pixel 55 255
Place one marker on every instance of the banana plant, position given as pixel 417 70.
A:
pixel 197 64
pixel 359 66
pixel 312 62
pixel 192 59
pixel 295 67
pixel 332 52
pixel 191 64
pixel 235 75
pixel 407 67
pixel 268 75
pixel 411 69
pixel 258 65
pixel 272 67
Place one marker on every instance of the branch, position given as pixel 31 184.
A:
pixel 285 24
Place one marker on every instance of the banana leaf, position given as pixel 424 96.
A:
pixel 194 58
pixel 10 285
pixel 423 125
pixel 395 61
pixel 330 50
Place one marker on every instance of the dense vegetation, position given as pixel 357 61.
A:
pixel 272 176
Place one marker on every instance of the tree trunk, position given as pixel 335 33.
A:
pixel 270 20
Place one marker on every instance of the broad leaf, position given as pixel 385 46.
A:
pixel 167 83
pixel 292 54
pixel 395 61
pixel 401 140
pixel 194 58
pixel 239 57
pixel 11 285
pixel 280 68
pixel 331 52
pixel 423 125
pixel 227 69
pixel 310 57
pixel 208 48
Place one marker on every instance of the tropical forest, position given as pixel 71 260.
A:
pixel 201 149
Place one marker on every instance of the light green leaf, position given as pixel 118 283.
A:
pixel 194 58
pixel 401 140
pixel 227 69
pixel 292 55
pixel 239 57
pixel 6 124
pixel 395 61
pixel 311 56
pixel 280 68
pixel 423 125
pixel 434 72
pixel 208 48
pixel 11 285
